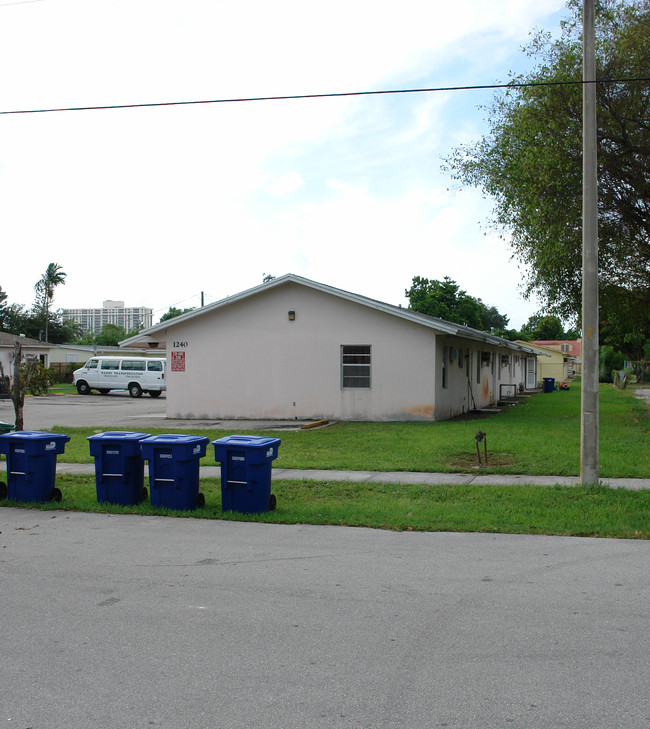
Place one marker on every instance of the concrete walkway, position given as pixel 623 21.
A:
pixel 404 477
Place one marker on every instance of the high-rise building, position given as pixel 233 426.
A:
pixel 112 312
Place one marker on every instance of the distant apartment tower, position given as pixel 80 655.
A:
pixel 112 312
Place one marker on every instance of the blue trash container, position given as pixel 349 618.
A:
pixel 174 470
pixel 31 464
pixel 246 462
pixel 119 467
pixel 549 384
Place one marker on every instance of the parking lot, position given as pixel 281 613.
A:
pixel 115 411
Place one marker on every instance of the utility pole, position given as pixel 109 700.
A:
pixel 590 365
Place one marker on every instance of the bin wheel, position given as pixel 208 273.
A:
pixel 200 501
pixel 145 495
pixel 56 495
pixel 273 502
pixel 4 491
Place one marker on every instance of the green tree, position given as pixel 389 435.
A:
pixel 543 327
pixel 173 312
pixel 492 319
pixel 11 315
pixel 110 335
pixel 530 162
pixel 444 300
pixel 44 287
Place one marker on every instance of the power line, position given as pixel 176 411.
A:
pixel 385 92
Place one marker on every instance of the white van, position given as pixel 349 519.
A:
pixel 135 374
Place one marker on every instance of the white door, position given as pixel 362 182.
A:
pixel 531 373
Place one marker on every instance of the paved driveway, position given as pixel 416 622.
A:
pixel 123 622
pixel 116 410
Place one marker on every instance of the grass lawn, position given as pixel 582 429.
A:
pixel 567 511
pixel 541 436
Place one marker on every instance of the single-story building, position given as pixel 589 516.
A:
pixel 292 348
pixel 570 348
pixel 31 349
pixel 552 362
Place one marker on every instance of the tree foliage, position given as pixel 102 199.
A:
pixel 173 312
pixel 530 164
pixel 110 335
pixel 446 300
pixel 54 276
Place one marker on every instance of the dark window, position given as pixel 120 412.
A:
pixel 92 364
pixel 355 366
pixel 133 365
pixel 110 364
pixel 444 366
pixel 154 366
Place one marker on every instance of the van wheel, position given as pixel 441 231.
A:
pixel 155 393
pixel 135 390
pixel 83 388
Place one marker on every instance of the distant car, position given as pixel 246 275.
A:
pixel 135 374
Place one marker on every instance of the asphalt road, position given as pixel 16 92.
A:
pixel 127 622
pixel 123 622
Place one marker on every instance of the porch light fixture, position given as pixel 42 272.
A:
pixel 292 316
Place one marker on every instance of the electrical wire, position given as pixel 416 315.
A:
pixel 296 97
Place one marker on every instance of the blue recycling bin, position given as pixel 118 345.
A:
pixel 174 470
pixel 549 384
pixel 31 464
pixel 246 462
pixel 119 467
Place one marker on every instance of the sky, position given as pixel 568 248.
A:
pixel 153 206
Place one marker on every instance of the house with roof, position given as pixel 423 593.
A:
pixel 571 350
pixel 552 362
pixel 31 349
pixel 292 348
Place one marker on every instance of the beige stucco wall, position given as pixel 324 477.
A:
pixel 248 360
pixel 553 366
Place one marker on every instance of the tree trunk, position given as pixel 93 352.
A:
pixel 17 395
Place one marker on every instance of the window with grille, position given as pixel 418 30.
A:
pixel 355 366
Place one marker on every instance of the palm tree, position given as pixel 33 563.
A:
pixel 44 287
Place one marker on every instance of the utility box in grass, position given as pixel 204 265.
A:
pixel 246 462
pixel 174 470
pixel 119 467
pixel 31 464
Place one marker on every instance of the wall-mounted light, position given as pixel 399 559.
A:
pixel 292 316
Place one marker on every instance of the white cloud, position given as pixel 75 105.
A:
pixel 154 205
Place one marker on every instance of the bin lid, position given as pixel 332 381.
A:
pixel 246 441
pixel 119 435
pixel 171 438
pixel 34 435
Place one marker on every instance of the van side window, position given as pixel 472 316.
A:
pixel 133 364
pixel 110 364
pixel 154 366
pixel 91 364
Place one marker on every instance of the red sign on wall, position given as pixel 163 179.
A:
pixel 178 361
